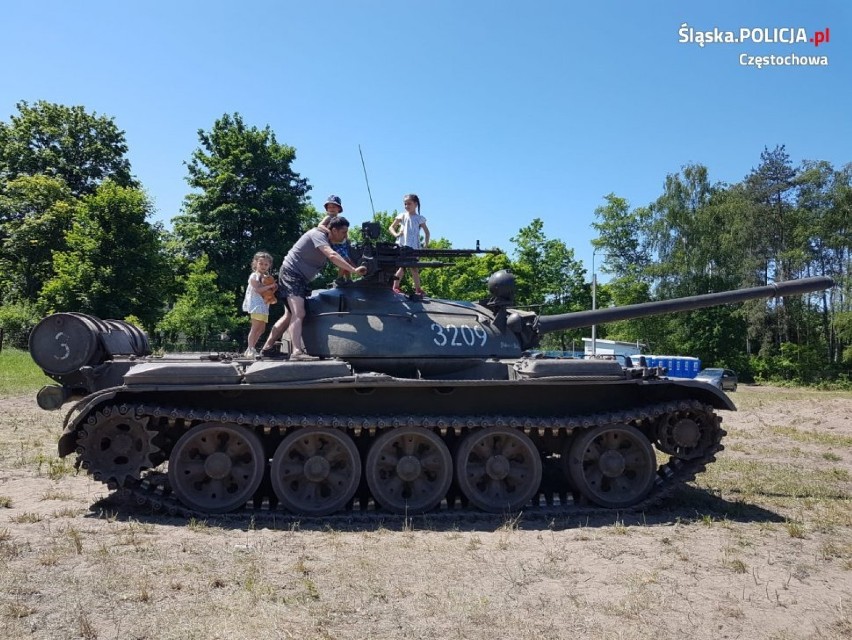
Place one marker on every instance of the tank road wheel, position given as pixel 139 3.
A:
pixel 115 445
pixel 498 469
pixel 316 471
pixel 216 467
pixel 613 465
pixel 409 470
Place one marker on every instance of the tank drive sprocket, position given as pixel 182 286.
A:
pixel 116 445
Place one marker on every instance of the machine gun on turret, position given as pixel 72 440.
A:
pixel 382 259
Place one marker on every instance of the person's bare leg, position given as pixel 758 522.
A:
pixel 297 306
pixel 415 276
pixel 399 275
pixel 257 327
pixel 278 329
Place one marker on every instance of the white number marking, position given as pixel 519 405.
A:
pixel 64 345
pixel 467 335
pixel 455 341
pixel 479 331
pixel 440 339
pixel 458 336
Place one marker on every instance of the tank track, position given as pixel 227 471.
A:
pixel 150 488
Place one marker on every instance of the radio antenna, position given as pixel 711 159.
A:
pixel 367 180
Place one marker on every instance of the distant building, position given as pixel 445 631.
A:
pixel 612 347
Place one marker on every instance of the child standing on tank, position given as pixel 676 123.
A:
pixel 406 229
pixel 258 297
pixel 334 207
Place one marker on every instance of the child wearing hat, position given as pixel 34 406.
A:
pixel 334 207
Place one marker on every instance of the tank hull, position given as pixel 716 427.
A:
pixel 319 438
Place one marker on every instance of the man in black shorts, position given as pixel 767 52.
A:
pixel 302 264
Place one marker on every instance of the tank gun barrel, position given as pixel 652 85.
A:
pixel 546 324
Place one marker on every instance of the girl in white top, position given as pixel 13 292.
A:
pixel 406 229
pixel 258 297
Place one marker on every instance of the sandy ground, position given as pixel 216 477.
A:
pixel 759 547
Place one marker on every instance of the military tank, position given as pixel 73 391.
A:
pixel 415 405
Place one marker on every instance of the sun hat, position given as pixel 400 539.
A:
pixel 333 200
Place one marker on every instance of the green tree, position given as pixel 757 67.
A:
pixel 202 309
pixel 16 321
pixel 772 187
pixel 465 278
pixel 113 266
pixel 679 231
pixel 824 205
pixel 843 328
pixel 626 289
pixel 700 237
pixel 247 198
pixel 621 231
pixel 35 213
pixel 549 279
pixel 546 271
pixel 83 149
pixel 623 253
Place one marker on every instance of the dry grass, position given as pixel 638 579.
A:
pixel 759 547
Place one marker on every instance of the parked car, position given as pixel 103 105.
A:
pixel 724 379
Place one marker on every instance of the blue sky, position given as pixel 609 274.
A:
pixel 494 112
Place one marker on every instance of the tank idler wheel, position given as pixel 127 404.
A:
pixel 498 469
pixel 409 470
pixel 315 471
pixel 216 467
pixel 612 465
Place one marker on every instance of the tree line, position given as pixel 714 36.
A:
pixel 76 235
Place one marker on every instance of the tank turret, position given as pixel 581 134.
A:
pixel 416 404
pixel 430 336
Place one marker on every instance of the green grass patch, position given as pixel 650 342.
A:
pixel 776 480
pixel 814 437
pixel 19 374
